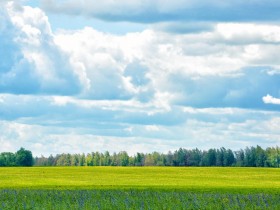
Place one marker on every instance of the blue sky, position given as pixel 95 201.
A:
pixel 141 76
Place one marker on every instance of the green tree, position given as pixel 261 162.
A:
pixel 51 161
pixel 139 159
pixel 260 157
pixel 97 159
pixel 273 157
pixel 107 158
pixel 181 156
pixel 168 159
pixel 75 160
pixel 24 157
pixel 250 157
pixel 149 160
pixel 124 158
pixel 158 159
pixel 229 158
pixel 89 160
pixel 194 157
pixel 7 159
pixel 240 156
pixel 114 159
pixel 220 156
pixel 211 157
pixel 82 160
pixel 63 160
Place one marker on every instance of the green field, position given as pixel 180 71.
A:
pixel 205 179
pixel 139 188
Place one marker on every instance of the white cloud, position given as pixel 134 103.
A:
pixel 142 65
pixel 164 10
pixel 249 32
pixel 268 99
pixel 34 63
pixel 139 66
pixel 152 128
pixel 81 90
pixel 255 128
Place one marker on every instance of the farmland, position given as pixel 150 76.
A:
pixel 139 187
pixel 204 179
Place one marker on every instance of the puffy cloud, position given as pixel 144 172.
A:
pixel 31 62
pixel 256 126
pixel 268 99
pixel 146 66
pixel 205 69
pixel 128 85
pixel 42 140
pixel 110 66
pixel 164 10
pixel 199 69
pixel 249 33
pixel 150 90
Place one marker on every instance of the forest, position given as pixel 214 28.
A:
pixel 22 157
pixel 248 157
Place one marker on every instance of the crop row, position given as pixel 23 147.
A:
pixel 133 199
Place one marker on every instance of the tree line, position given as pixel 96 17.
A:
pixel 22 157
pixel 248 157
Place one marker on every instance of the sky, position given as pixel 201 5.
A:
pixel 78 76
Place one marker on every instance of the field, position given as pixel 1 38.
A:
pixel 139 188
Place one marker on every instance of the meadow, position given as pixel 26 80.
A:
pixel 139 188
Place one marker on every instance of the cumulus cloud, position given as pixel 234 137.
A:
pixel 162 10
pixel 192 132
pixel 144 66
pixel 31 62
pixel 268 99
pixel 42 140
pixel 149 90
pixel 135 86
pixel 163 68
pixel 110 66
pixel 198 69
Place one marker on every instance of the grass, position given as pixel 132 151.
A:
pixel 164 178
pixel 132 199
pixel 139 188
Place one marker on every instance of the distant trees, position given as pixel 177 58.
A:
pixel 21 158
pixel 249 157
pixel 273 157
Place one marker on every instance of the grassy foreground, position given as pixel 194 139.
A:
pixel 139 188
pixel 197 179
pixel 133 199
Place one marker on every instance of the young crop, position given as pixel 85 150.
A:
pixel 133 199
pixel 139 188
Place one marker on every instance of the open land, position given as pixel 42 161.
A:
pixel 139 187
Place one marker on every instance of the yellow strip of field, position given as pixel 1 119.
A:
pixel 185 178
